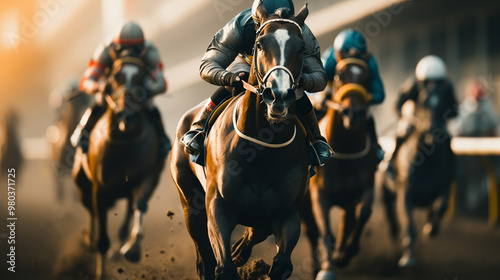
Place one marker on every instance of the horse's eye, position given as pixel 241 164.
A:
pixel 258 46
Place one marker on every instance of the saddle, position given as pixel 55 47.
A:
pixel 200 158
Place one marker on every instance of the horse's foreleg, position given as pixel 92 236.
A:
pixel 346 226
pixel 196 223
pixel 436 213
pixel 321 207
pixel 287 234
pixel 363 212
pixel 221 224
pixel 311 231
pixel 242 249
pixel 408 258
pixel 132 249
pixel 389 199
pixel 89 234
pixel 100 209
pixel 124 230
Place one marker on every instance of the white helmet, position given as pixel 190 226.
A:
pixel 430 67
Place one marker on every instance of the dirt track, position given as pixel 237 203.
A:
pixel 48 241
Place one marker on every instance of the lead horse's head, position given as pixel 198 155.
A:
pixel 277 59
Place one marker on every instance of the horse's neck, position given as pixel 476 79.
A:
pixel 251 113
pixel 342 139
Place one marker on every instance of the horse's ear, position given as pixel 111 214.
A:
pixel 262 12
pixel 301 16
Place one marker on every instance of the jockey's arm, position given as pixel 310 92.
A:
pixel 313 73
pixel 376 86
pixel 155 81
pixel 90 82
pixel 223 49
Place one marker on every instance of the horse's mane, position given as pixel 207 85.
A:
pixel 284 13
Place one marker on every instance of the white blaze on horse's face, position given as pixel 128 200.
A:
pixel 130 71
pixel 356 70
pixel 281 78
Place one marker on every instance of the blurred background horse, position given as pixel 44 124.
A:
pixel 347 179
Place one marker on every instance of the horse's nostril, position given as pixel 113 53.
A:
pixel 290 96
pixel 268 95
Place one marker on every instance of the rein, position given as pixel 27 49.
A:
pixel 357 155
pixel 262 81
pixel 257 141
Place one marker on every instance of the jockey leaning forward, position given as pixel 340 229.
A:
pixel 227 62
pixel 128 42
pixel 350 43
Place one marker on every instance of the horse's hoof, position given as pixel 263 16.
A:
pixel 131 252
pixel 407 260
pixel 342 259
pixel 430 230
pixel 326 275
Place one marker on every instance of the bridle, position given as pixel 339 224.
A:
pixel 118 65
pixel 262 79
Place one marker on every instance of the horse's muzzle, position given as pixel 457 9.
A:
pixel 278 101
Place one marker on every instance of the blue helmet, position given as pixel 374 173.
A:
pixel 350 42
pixel 271 7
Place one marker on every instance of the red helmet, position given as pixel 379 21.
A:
pixel 130 35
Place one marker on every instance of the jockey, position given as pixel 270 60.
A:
pixel 128 41
pixel 430 76
pixel 351 43
pixel 226 63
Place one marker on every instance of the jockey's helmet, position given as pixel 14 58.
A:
pixel 271 7
pixel 430 67
pixel 129 36
pixel 350 43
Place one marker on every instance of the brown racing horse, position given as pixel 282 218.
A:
pixel 122 161
pixel 256 161
pixel 347 179
pixel 70 109
pixel 424 165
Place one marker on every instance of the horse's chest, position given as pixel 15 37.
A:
pixel 123 162
pixel 346 177
pixel 261 191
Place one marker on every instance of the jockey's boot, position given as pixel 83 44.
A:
pixel 154 117
pixel 81 135
pixel 323 151
pixel 194 138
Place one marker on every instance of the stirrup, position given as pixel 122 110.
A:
pixel 322 152
pixel 193 141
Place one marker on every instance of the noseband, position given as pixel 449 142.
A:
pixel 262 80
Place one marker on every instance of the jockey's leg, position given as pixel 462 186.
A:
pixel 379 152
pixel 193 139
pixel 320 145
pixel 153 115
pixel 80 137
